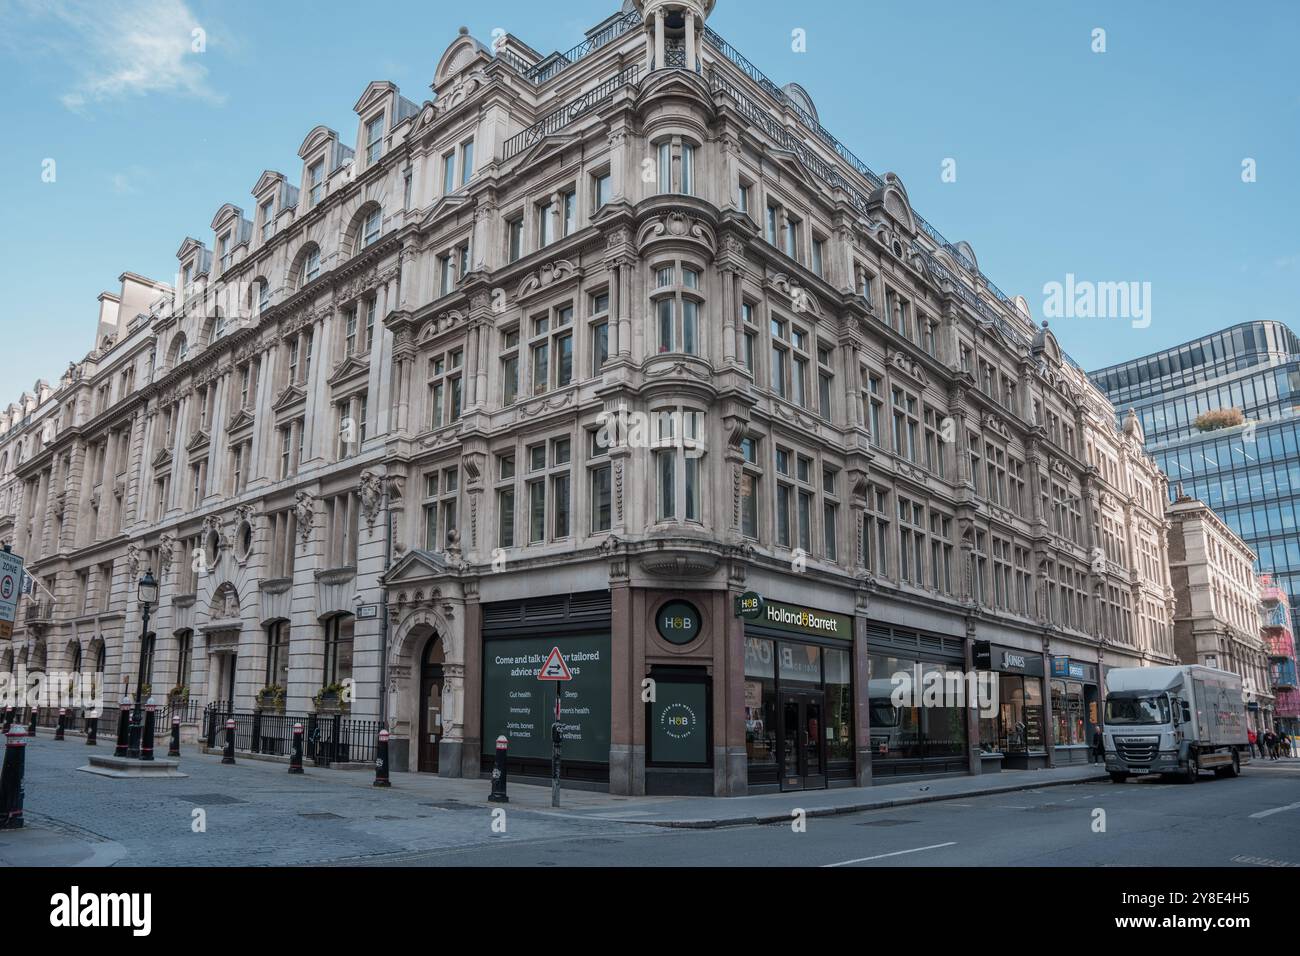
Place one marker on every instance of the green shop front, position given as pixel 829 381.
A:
pixel 517 638
pixel 798 695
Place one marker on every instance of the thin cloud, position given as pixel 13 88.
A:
pixel 126 48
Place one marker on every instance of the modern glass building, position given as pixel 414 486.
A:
pixel 1247 472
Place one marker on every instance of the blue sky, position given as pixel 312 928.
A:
pixel 1115 166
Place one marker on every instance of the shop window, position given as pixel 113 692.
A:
pixel 911 732
pixel 1068 721
pixel 760 704
pixel 1018 727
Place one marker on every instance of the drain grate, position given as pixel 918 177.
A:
pixel 887 822
pixel 449 805
pixel 321 816
pixel 207 799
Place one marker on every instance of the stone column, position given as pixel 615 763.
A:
pixel 690 41
pixel 659 40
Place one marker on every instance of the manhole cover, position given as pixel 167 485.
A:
pixel 890 822
pixel 208 799
pixel 321 816
pixel 449 805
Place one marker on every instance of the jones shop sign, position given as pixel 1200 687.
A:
pixel 1011 660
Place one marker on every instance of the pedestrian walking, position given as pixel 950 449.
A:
pixel 1098 745
pixel 1250 740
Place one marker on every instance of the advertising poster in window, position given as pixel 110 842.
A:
pixel 517 704
pixel 679 723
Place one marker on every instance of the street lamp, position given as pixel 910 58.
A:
pixel 147 595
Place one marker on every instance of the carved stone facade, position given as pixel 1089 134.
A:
pixel 818 399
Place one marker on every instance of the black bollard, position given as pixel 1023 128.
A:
pixel 11 781
pixel 498 794
pixel 58 730
pixel 175 749
pixel 228 755
pixel 123 728
pixel 295 756
pixel 146 741
pixel 31 728
pixel 92 730
pixel 381 761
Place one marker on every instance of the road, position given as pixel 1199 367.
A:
pixel 256 814
pixel 1251 821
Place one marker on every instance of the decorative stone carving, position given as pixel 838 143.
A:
pixel 993 423
pixel 905 364
pixel 370 489
pixel 304 510
pixel 676 224
pixel 166 552
pixel 548 275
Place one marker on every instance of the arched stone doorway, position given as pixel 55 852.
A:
pixel 429 705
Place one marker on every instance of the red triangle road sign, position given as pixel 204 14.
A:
pixel 555 668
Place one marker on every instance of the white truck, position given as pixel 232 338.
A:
pixel 1174 720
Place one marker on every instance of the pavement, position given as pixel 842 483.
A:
pixel 255 813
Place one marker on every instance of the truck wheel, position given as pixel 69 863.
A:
pixel 1235 769
pixel 1117 777
pixel 1193 770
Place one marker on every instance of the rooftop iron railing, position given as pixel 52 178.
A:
pixel 566 114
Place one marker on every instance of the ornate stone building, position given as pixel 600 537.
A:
pixel 576 354
pixel 1218 622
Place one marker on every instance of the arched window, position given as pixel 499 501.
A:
pixel 179 350
pixel 338 649
pixel 306 265
pixel 363 230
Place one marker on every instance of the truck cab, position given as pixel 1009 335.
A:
pixel 1173 720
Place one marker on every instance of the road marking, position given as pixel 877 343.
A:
pixel 1269 813
pixel 881 856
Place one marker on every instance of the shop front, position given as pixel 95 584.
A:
pixel 798 696
pixel 517 638
pixel 1076 709
pixel 910 736
pixel 1018 732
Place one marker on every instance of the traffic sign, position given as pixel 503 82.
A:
pixel 11 583
pixel 555 668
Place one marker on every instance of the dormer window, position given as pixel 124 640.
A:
pixel 187 277
pixel 224 253
pixel 316 182
pixel 268 219
pixel 374 138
